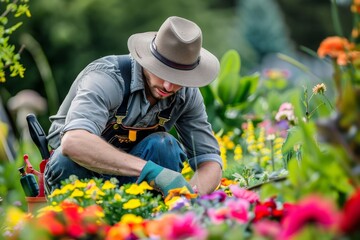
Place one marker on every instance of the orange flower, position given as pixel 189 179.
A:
pixel 353 57
pixel 119 231
pixel 159 227
pixel 180 192
pixel 227 182
pixel 335 47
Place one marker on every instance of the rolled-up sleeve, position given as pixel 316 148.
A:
pixel 97 94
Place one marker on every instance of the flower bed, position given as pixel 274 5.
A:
pixel 99 210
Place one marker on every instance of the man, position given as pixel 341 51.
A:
pixel 115 118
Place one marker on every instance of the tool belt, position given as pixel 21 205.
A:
pixel 126 138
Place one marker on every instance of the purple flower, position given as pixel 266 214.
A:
pixel 218 195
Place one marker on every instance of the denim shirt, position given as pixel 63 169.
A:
pixel 98 91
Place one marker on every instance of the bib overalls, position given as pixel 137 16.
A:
pixel 150 143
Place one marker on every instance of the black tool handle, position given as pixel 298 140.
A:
pixel 38 135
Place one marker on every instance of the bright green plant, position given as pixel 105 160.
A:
pixel 230 95
pixel 9 58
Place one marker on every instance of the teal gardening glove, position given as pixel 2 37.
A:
pixel 162 179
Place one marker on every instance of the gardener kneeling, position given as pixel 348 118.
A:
pixel 115 118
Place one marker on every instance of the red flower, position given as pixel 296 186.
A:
pixel 350 219
pixel 269 209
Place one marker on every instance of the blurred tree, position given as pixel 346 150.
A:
pixel 311 21
pixel 73 33
pixel 263 26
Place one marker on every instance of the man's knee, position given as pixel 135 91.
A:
pixel 162 140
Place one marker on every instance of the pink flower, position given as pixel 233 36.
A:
pixel 219 215
pixel 311 210
pixel 286 112
pixel 267 229
pixel 185 227
pixel 242 193
pixel 238 210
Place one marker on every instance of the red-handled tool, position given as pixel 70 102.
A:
pixel 39 138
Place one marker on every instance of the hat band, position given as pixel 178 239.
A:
pixel 170 63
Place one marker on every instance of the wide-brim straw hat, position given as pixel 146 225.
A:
pixel 175 53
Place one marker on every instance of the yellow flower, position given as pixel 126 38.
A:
pixel 56 192
pixel 172 201
pixel 94 192
pixel 108 185
pixel 146 186
pixel 238 153
pixel 77 193
pixel 135 189
pixel 14 216
pixel 131 218
pixel 186 169
pixel 132 203
pixel 117 197
pixel 55 208
pixel 230 145
pixel 79 184
pixel 90 184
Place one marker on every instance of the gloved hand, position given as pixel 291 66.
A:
pixel 162 179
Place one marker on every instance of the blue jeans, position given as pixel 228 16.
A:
pixel 161 148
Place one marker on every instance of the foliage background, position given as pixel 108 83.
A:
pixel 73 33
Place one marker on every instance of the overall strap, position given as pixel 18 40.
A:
pixel 165 114
pixel 125 69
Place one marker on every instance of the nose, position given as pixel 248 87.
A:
pixel 169 87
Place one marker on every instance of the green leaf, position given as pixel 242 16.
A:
pixel 229 63
pixel 228 86
pixel 207 94
pixel 248 85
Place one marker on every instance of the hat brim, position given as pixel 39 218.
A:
pixel 201 75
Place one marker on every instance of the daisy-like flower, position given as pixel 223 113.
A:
pixel 312 210
pixel 319 88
